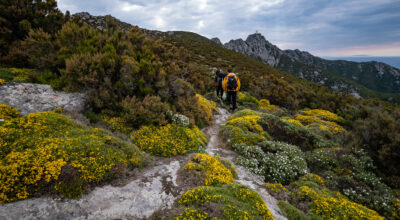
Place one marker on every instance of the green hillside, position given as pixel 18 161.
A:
pixel 153 92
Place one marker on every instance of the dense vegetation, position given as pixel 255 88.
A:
pixel 302 143
pixel 48 152
pixel 133 81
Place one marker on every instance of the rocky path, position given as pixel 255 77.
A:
pixel 154 188
pixel 245 177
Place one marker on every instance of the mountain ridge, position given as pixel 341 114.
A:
pixel 338 75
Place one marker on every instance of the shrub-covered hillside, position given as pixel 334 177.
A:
pixel 372 125
pixel 303 159
pixel 153 90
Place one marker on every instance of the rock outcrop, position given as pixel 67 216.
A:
pixel 258 47
pixel 29 98
pixel 100 21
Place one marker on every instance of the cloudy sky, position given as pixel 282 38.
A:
pixel 323 27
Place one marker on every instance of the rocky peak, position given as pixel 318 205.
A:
pixel 258 47
pixel 216 40
pixel 256 38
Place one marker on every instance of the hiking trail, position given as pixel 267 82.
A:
pixel 245 177
pixel 150 189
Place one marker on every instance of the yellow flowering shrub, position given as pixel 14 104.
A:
pixel 16 74
pixel 169 140
pixel 396 205
pixel 244 98
pixel 192 214
pixel 116 124
pixel 2 81
pixel 292 121
pixel 211 169
pixel 35 148
pixel 8 112
pixel 264 104
pixel 275 187
pixel 313 178
pixel 331 205
pixel 207 108
pixel 322 114
pixel 234 200
pixel 322 120
pixel 248 123
pixel 244 127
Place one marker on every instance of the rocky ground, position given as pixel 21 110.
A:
pixel 30 98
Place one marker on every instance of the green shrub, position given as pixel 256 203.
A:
pixel 289 132
pixel 149 111
pixel 247 100
pixel 276 161
pixel 323 159
pixel 190 107
pixel 36 148
pixel 291 212
pixel 17 74
pixel 351 172
pixel 93 117
pixel 180 119
pixel 233 201
pixel 169 140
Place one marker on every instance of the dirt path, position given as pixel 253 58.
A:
pixel 245 177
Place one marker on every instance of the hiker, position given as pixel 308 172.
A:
pixel 231 85
pixel 219 77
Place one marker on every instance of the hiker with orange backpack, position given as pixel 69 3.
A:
pixel 231 85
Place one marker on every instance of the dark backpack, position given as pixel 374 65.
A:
pixel 232 83
pixel 220 77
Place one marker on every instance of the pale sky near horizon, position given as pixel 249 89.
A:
pixel 322 27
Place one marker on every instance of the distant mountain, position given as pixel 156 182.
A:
pixel 373 75
pixel 393 61
pixel 355 78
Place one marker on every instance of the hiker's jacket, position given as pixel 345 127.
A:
pixel 225 83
